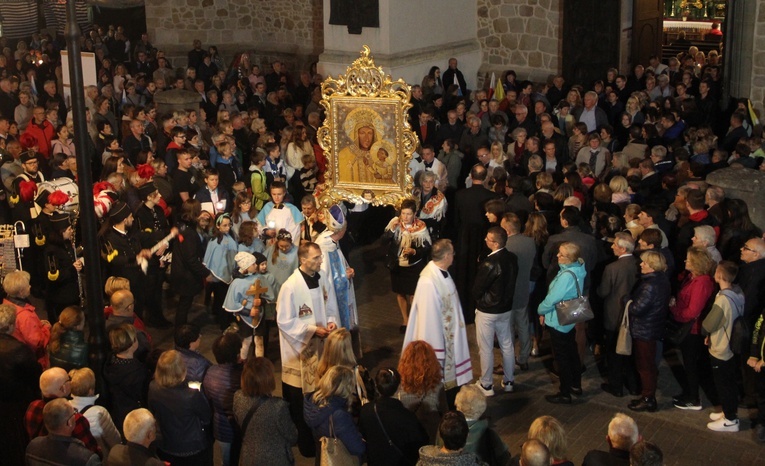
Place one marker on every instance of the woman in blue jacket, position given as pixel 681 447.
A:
pixel 648 314
pixel 564 286
pixel 330 405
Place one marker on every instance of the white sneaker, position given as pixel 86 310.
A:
pixel 487 392
pixel 723 425
pixel 716 416
pixel 507 386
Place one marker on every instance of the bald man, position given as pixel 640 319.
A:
pixel 122 305
pixel 60 446
pixel 55 384
pixel 534 453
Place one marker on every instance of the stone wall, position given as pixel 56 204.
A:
pixel 291 30
pixel 520 34
pixel 757 91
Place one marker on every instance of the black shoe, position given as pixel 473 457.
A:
pixel 577 391
pixel 523 367
pixel 559 398
pixel 611 390
pixel 402 329
pixel 644 404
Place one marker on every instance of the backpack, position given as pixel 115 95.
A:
pixel 740 333
pixel 740 336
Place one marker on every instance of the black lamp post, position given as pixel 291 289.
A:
pixel 88 224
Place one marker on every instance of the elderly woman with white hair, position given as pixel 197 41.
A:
pixel 29 329
pixel 704 237
pixel 431 204
pixel 471 402
pixel 19 385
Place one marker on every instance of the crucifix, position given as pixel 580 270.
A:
pixel 256 291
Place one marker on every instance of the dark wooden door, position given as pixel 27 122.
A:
pixel 647 30
pixel 590 39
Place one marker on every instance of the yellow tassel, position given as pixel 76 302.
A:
pixel 110 257
pixel 148 230
pixel 53 276
pixel 40 240
pixel 14 199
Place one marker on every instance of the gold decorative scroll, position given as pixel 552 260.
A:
pixel 366 137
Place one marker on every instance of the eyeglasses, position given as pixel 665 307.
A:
pixel 747 248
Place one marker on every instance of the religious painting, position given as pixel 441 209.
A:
pixel 366 137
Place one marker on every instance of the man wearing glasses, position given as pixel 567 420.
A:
pixel 60 446
pixel 40 420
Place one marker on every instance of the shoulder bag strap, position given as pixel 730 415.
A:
pixel 249 415
pixel 576 282
pixel 387 437
pixel 82 411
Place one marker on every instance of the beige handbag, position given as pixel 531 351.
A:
pixel 624 339
pixel 333 452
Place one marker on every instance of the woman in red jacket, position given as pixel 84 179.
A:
pixel 695 291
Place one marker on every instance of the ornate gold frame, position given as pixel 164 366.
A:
pixel 366 97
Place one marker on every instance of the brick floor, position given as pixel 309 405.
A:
pixel 682 435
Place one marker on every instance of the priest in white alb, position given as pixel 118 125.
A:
pixel 306 313
pixel 436 317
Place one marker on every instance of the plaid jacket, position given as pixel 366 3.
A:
pixel 33 422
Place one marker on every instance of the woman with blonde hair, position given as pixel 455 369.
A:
pixel 647 315
pixel 497 152
pixel 422 389
pixel 567 284
pixel 633 109
pixel 327 410
pixel 696 289
pixel 338 351
pixel 67 347
pixel 550 432
pixel 84 398
pixel 182 413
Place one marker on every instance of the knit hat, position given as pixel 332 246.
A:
pixel 259 258
pixel 119 212
pixel 146 190
pixel 60 221
pixel 244 260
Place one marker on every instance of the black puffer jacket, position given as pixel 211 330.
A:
pixel 494 284
pixel 650 305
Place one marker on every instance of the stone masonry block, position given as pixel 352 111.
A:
pixel 528 42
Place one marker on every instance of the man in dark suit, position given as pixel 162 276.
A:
pixel 472 224
pixel 525 250
pixel 614 288
pixel 454 76
pixel 736 132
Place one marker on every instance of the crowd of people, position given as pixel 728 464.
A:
pixel 552 193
